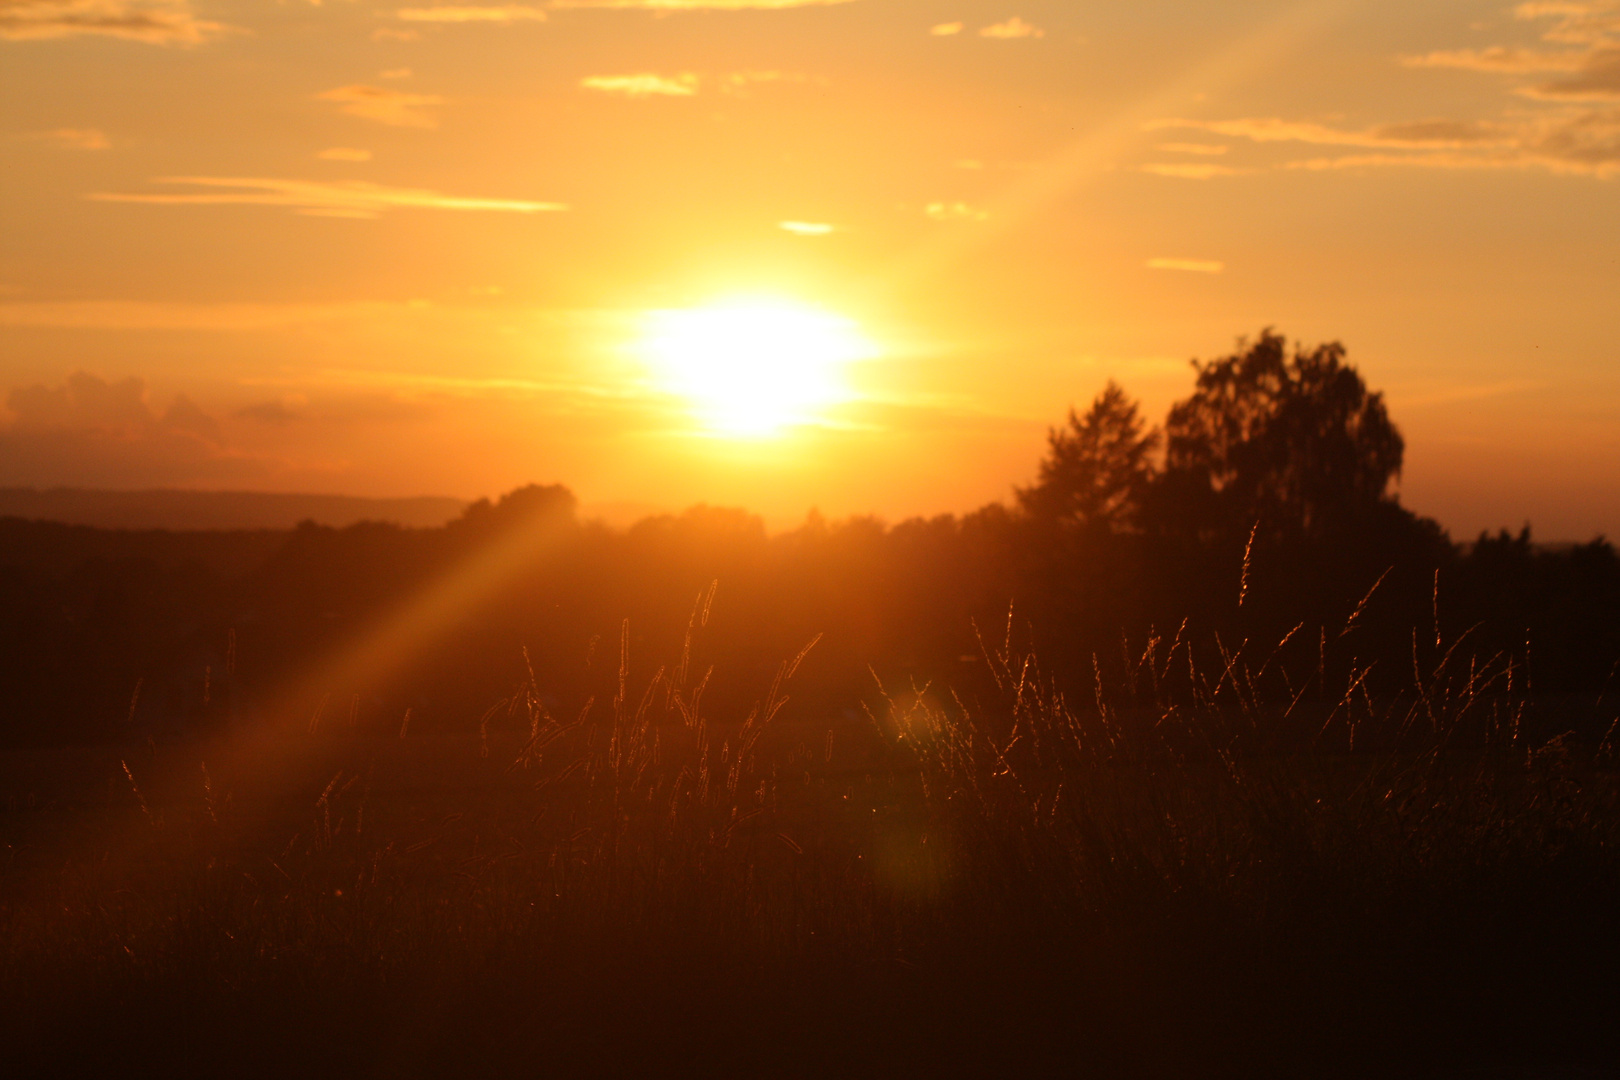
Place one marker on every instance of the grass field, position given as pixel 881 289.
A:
pixel 1197 869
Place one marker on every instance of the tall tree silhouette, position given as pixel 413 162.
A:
pixel 1293 440
pixel 1097 467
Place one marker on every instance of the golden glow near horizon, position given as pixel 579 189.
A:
pixel 751 368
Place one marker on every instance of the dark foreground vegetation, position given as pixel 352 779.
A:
pixel 1296 786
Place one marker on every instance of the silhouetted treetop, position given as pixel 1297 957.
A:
pixel 1292 439
pixel 1097 467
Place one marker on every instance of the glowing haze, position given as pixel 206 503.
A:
pixel 783 254
pixel 753 367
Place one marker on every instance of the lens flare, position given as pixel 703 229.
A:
pixel 752 368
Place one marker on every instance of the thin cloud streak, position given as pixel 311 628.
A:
pixel 643 84
pixel 1191 170
pixel 352 198
pixel 1438 134
pixel 77 138
pixel 396 108
pixel 1594 64
pixel 1011 30
pixel 152 22
pixel 453 13
pixel 1583 143
pixel 698 5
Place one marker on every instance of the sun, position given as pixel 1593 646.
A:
pixel 753 367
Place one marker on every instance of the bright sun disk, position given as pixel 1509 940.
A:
pixel 753 367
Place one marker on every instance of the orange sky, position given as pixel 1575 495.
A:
pixel 348 247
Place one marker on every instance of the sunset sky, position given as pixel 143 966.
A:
pixel 451 249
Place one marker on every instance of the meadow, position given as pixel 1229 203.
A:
pixel 1203 866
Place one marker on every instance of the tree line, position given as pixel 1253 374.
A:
pixel 1262 510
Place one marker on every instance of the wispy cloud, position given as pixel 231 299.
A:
pixel 955 211
pixel 945 29
pixel 146 315
pixel 1422 133
pixel 1563 135
pixel 1583 142
pixel 155 22
pixel 806 228
pixel 456 13
pixel 738 81
pixel 1597 80
pixel 697 5
pixel 77 138
pixel 393 107
pixel 643 84
pixel 1190 170
pixel 98 432
pixel 1195 266
pixel 351 199
pixel 1498 58
pixel 1587 40
pixel 344 153
pixel 1205 149
pixel 1012 29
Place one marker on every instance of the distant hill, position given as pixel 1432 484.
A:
pixel 195 510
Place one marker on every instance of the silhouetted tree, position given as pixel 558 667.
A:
pixel 1097 467
pixel 1295 441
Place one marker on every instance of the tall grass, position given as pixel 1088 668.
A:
pixel 1228 862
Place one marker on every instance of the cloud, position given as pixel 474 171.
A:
pixel 276 413
pixel 1196 266
pixel 94 432
pixel 1581 142
pixel 351 198
pixel 77 138
pixel 393 107
pixel 945 29
pixel 1594 63
pixel 954 211
pixel 698 5
pixel 1594 22
pixel 1565 138
pixel 448 13
pixel 1012 29
pixel 212 318
pixel 643 84
pixel 806 228
pixel 1421 133
pixel 155 22
pixel 1192 148
pixel 344 153
pixel 1498 58
pixel 1186 170
pixel 1597 80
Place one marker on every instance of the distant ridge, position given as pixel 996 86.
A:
pixel 200 510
